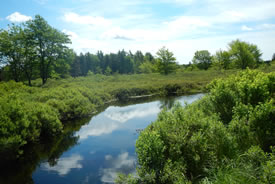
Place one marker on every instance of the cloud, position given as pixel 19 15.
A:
pixel 71 34
pixel 122 163
pixel 64 165
pixel 136 25
pixel 118 33
pixel 245 28
pixel 86 20
pixel 117 37
pixel 267 26
pixel 18 17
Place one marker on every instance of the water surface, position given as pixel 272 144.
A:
pixel 103 146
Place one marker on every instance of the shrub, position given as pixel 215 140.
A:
pixel 186 139
pixel 248 87
pixel 23 122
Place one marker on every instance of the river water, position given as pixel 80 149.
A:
pixel 97 150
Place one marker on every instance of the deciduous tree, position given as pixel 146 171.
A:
pixel 50 44
pixel 222 59
pixel 166 61
pixel 245 54
pixel 202 59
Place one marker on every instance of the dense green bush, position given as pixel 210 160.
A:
pixel 70 103
pixel 23 122
pixel 186 140
pixel 226 137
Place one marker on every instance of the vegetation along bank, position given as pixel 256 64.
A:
pixel 29 113
pixel 226 137
pixel 44 84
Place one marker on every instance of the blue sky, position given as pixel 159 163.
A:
pixel 183 26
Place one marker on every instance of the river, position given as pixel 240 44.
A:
pixel 96 151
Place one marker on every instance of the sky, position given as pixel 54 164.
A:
pixel 182 26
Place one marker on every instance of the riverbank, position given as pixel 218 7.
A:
pixel 94 140
pixel 29 113
pixel 226 137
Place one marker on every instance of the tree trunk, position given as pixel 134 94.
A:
pixel 30 82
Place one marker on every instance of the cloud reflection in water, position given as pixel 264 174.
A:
pixel 64 165
pixel 114 117
pixel 122 163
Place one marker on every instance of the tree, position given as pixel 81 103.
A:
pixel 75 67
pixel 138 60
pixel 50 44
pixel 166 61
pixel 245 54
pixel 108 71
pixel 147 67
pixel 11 50
pixel 202 59
pixel 222 59
pixel 62 66
pixel 29 59
pixel 148 57
pixel 273 57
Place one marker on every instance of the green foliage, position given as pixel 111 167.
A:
pixel 108 71
pixel 23 122
pixel 226 137
pixel 185 140
pixel 34 47
pixel 50 44
pixel 254 125
pixel 254 166
pixel 39 110
pixel 69 103
pixel 147 67
pixel 248 88
pixel 202 59
pixel 166 61
pixel 222 60
pixel 245 54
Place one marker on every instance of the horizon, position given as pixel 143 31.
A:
pixel 182 26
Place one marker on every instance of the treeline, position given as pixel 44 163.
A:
pixel 122 62
pixel 240 55
pixel 35 50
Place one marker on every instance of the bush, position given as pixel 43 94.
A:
pixel 23 122
pixel 69 103
pixel 186 139
pixel 226 137
pixel 248 87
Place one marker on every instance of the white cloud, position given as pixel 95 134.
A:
pixel 71 34
pixel 121 163
pixel 64 165
pixel 246 28
pixel 86 20
pixel 18 17
pixel 267 26
pixel 134 25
